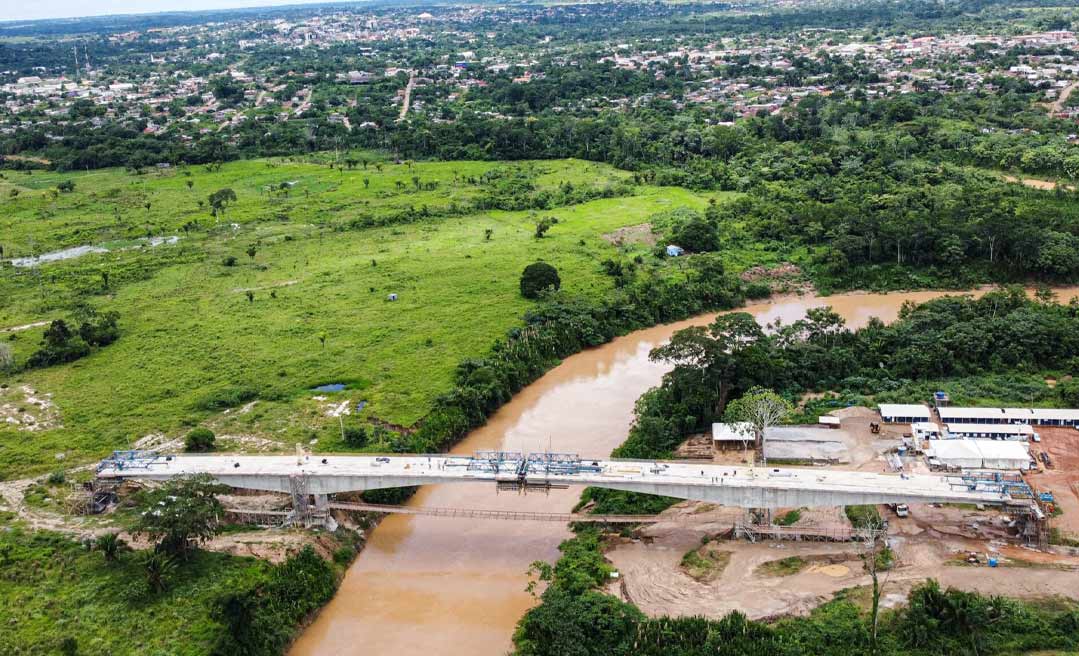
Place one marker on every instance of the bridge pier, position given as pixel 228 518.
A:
pixel 322 514
pixel 304 513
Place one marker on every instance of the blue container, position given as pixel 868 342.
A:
pixel 992 562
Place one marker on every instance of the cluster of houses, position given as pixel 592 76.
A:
pixel 887 66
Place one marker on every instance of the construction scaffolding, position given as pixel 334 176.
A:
pixel 91 497
pixel 304 512
pixel 837 533
pixel 1031 524
pixel 1011 485
pixel 133 459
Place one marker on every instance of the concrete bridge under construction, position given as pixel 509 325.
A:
pixel 316 476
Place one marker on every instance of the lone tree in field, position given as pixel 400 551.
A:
pixel 183 511
pixel 220 199
pixel 539 277
pixel 760 408
pixel 543 225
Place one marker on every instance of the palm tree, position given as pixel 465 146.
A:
pixel 158 568
pixel 110 545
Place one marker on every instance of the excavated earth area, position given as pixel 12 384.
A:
pixel 933 543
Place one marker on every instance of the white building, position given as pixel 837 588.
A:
pixel 1032 416
pixel 731 435
pixel 903 413
pixel 1021 432
pixel 979 454
pixel 925 430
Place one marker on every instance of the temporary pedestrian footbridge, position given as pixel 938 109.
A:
pixel 747 487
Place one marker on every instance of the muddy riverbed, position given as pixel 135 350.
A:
pixel 426 585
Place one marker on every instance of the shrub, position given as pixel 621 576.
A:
pixel 538 277
pixel 157 568
pixel 98 329
pixel 697 236
pixel 7 358
pixel 230 397
pixel 1068 390
pixel 758 290
pixel 110 546
pixel 861 516
pixel 229 261
pixel 355 436
pixel 69 646
pixel 59 345
pixel 543 225
pixel 200 439
pixel 789 518
pixel 343 555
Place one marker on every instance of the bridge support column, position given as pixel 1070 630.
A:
pixel 306 514
pixel 321 514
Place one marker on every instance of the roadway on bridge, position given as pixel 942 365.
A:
pixel 729 485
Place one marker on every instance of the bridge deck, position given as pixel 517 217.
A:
pixel 744 486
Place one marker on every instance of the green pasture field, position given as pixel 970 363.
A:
pixel 54 588
pixel 193 342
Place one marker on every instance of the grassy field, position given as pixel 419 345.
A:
pixel 54 588
pixel 109 204
pixel 192 338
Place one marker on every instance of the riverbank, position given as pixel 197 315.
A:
pixel 426 585
pixel 579 597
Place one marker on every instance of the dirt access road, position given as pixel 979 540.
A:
pixel 1061 100
pixel 1062 445
pixel 651 576
pixel 408 96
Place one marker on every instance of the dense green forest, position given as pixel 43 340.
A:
pixel 951 337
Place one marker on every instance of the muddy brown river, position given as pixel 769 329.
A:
pixel 428 585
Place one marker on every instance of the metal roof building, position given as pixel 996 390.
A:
pixel 1020 432
pixel 925 429
pixel 979 454
pixel 952 415
pixel 1034 416
pixel 903 413
pixel 741 431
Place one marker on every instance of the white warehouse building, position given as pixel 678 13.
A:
pixel 979 454
pixel 1019 432
pixel 903 413
pixel 1031 416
